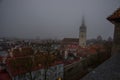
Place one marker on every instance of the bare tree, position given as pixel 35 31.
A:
pixel 49 58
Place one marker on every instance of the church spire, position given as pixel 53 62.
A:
pixel 82 34
pixel 83 21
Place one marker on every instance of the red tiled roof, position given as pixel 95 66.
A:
pixel 70 40
pixel 71 47
pixel 4 75
pixel 83 52
pixel 82 55
pixel 25 51
pixel 92 51
pixel 17 68
pixel 1 58
pixel 23 64
pixel 57 62
pixel 71 61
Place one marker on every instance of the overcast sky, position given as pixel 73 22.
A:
pixel 55 18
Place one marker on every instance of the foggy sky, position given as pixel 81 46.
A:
pixel 55 18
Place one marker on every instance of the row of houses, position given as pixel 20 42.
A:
pixel 22 64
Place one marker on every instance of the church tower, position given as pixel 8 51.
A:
pixel 82 34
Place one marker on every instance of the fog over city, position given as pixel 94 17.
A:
pixel 55 19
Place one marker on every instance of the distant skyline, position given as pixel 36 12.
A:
pixel 56 19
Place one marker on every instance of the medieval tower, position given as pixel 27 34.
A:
pixel 82 34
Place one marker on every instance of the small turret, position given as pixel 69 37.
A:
pixel 115 19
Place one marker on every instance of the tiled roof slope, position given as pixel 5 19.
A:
pixel 70 41
pixel 109 70
pixel 4 75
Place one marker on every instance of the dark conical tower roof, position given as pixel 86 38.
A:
pixel 83 26
pixel 83 21
pixel 115 17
